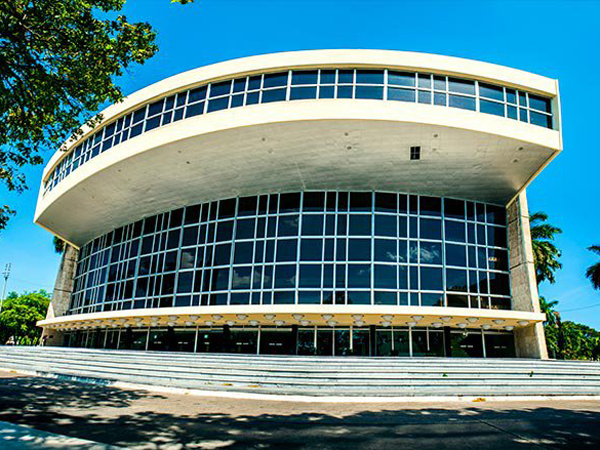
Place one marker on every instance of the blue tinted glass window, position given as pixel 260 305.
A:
pixel 252 98
pixel 359 276
pixel 222 88
pixel 439 82
pixel 385 277
pixel 425 97
pixel 273 95
pixel 218 104
pixel 369 92
pixel 539 103
pixel 327 92
pixel 522 99
pixel 511 96
pixel 346 76
pixel 430 253
pixel 424 81
pixel 310 276
pixel 194 110
pixel 439 99
pixel 300 93
pixel 327 77
pixel 239 85
pixel 311 250
pixel 491 91
pixel 403 95
pixel 431 279
pixel 401 78
pixel 155 108
pixel 197 94
pixel 461 86
pixel 494 108
pixel 540 119
pixel 456 255
pixel 359 250
pixel 275 79
pixel 458 101
pixel 344 92
pixel 369 76
pixel 254 82
pixel 305 77
pixel 511 112
pixel 386 250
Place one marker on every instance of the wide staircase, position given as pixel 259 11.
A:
pixel 311 376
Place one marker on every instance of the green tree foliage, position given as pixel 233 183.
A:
pixel 545 254
pixel 59 245
pixel 58 63
pixel 20 314
pixel 593 272
pixel 566 339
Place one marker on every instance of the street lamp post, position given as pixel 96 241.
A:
pixel 5 274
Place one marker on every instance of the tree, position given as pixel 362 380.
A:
pixel 58 63
pixel 59 245
pixel 545 253
pixel 20 314
pixel 593 272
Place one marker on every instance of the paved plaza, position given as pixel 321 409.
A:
pixel 145 420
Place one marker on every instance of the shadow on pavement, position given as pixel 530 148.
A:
pixel 139 419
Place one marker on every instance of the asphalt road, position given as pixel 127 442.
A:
pixel 145 420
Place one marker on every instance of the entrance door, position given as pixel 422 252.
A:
pixel 466 344
pixel 277 341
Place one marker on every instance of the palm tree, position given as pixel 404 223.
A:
pixel 545 253
pixel 549 308
pixel 593 272
pixel 59 245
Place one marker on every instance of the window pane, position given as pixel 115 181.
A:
pixel 312 225
pixel 311 250
pixel 540 103
pixel 431 229
pixel 300 93
pixel 275 79
pixel 431 206
pixel 403 95
pixel 359 276
pixel 222 88
pixel 431 279
pixel 359 250
pixel 304 77
pixel 310 276
pixel 494 108
pixel 401 78
pixel 369 76
pixel 431 253
pixel 273 95
pixel 458 101
pixel 491 91
pixel 386 226
pixel 360 225
pixel 461 86
pixel 456 280
pixel 455 231
pixel 369 92
pixel 285 276
pixel 385 250
pixel 287 250
pixel 385 277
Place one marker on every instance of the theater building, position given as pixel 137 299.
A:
pixel 332 202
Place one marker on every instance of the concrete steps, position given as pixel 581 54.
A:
pixel 314 376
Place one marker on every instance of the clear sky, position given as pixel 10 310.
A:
pixel 555 39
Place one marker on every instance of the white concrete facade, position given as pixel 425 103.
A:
pixel 308 145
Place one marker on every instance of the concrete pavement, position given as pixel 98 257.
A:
pixel 143 420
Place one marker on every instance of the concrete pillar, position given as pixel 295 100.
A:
pixel 61 296
pixel 530 342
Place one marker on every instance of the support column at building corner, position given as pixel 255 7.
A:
pixel 61 296
pixel 530 341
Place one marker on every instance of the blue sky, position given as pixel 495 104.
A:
pixel 556 39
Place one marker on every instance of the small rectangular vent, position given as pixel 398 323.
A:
pixel 415 153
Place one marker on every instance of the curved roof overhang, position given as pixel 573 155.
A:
pixel 293 146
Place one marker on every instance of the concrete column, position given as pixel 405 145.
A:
pixel 530 341
pixel 61 296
